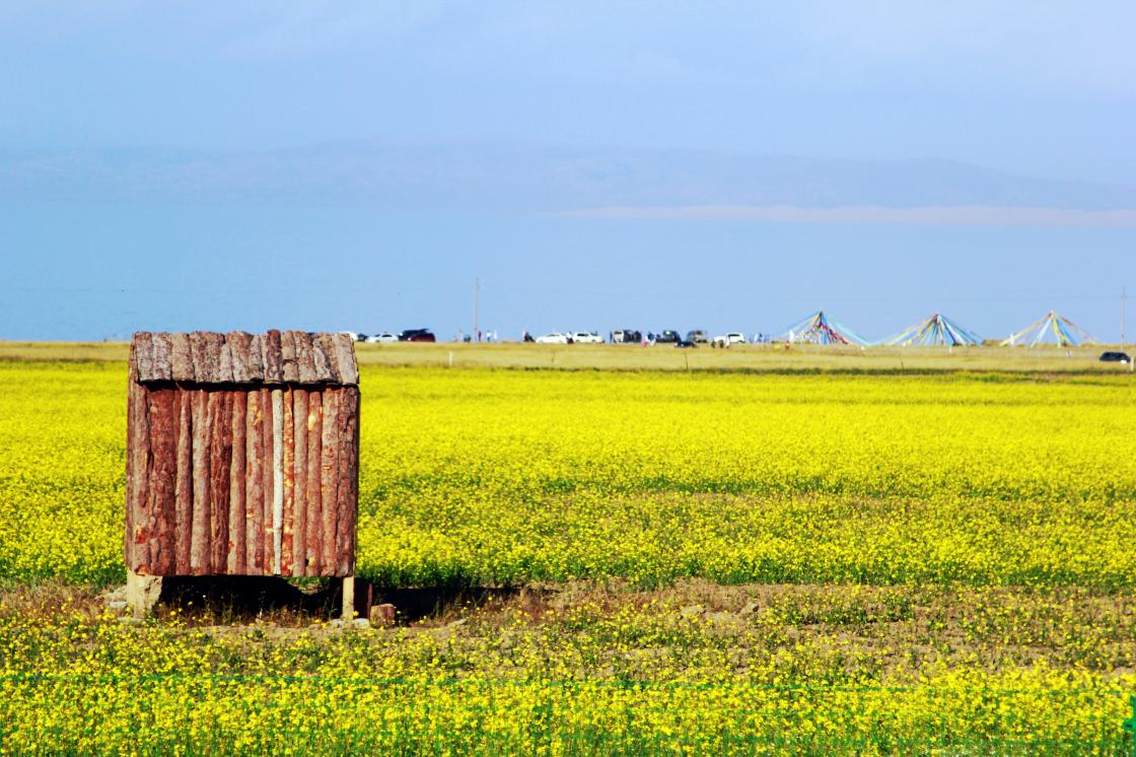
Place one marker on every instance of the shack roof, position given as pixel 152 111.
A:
pixel 275 357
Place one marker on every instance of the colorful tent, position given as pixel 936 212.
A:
pixel 934 331
pixel 1050 329
pixel 818 328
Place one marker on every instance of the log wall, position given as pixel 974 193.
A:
pixel 242 481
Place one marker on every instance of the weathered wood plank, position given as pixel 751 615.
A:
pixel 329 481
pixel 163 357
pixel 199 353
pixel 273 359
pixel 348 480
pixel 254 487
pixel 289 480
pixel 225 366
pixel 139 461
pixel 239 344
pixel 321 363
pixel 162 417
pixel 142 355
pixel 235 557
pixel 324 344
pixel 220 455
pixel 314 523
pixel 181 357
pixel 199 530
pixel 183 492
pixel 277 481
pixel 300 478
pixel 267 469
pixel 214 343
pixel 346 367
pixel 288 357
pixel 305 365
pixel 255 363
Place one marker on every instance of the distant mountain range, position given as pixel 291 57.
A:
pixel 527 178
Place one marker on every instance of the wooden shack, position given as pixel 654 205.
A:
pixel 242 457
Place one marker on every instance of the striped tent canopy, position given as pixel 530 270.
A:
pixel 934 331
pixel 1052 328
pixel 818 328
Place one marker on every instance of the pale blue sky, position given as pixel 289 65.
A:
pixel 657 165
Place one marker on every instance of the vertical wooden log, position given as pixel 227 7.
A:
pixel 348 480
pixel 199 530
pixel 313 504
pixel 277 480
pixel 128 531
pixel 183 493
pixel 139 467
pixel 329 481
pixel 267 471
pixel 254 486
pixel 289 479
pixel 162 412
pixel 235 559
pixel 220 456
pixel 300 445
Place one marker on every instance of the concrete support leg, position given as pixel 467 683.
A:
pixel 348 598
pixel 142 593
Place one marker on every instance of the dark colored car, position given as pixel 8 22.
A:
pixel 686 344
pixel 417 335
pixel 668 337
pixel 1115 357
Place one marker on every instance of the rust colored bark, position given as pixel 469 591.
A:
pixel 139 462
pixel 183 491
pixel 300 478
pixel 199 530
pixel 254 487
pixel 313 504
pixel 162 417
pixel 329 481
pixel 289 475
pixel 235 557
pixel 267 525
pixel 348 480
pixel 220 454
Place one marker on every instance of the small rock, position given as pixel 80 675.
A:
pixel 116 604
pixel 383 615
pixel 361 623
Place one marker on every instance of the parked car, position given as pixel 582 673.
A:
pixel 382 338
pixel 725 340
pixel 586 337
pixel 555 337
pixel 417 335
pixel 697 336
pixel 1115 357
pixel 686 344
pixel 626 336
pixel 668 336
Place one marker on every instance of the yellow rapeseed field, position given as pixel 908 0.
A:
pixel 954 554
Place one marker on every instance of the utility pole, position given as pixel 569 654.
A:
pixel 476 308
